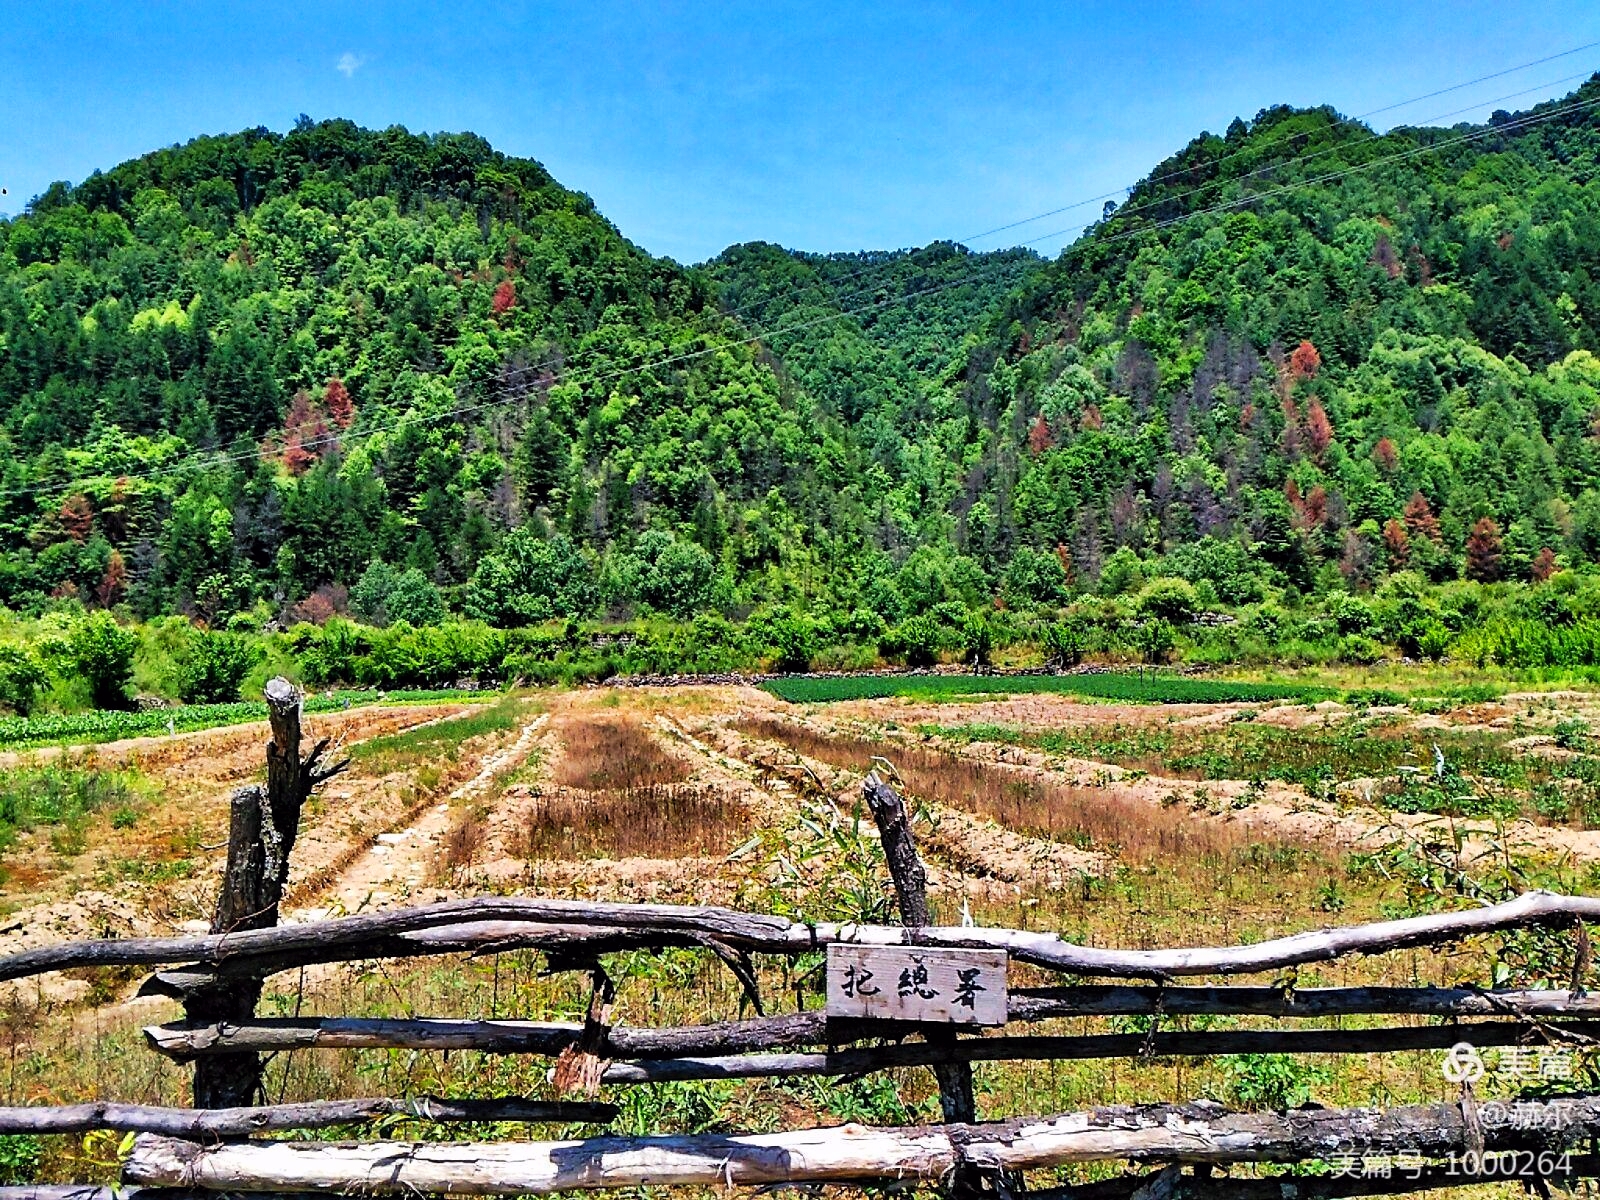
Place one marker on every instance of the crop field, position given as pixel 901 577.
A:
pixel 1113 821
pixel 103 725
pixel 1138 688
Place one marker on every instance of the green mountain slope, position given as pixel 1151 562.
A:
pixel 1299 360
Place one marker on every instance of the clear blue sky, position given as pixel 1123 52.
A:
pixel 815 125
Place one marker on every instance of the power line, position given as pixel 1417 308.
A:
pixel 519 391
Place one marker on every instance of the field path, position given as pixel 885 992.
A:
pixel 401 862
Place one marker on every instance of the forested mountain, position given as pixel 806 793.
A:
pixel 1300 359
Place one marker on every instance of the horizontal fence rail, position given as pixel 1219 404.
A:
pixel 183 1041
pixel 276 1118
pixel 1190 1133
pixel 489 923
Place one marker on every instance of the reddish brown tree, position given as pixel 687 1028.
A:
pixel 305 433
pixel 1304 362
pixel 1483 551
pixel 1419 518
pixel 336 399
pixel 1247 416
pixel 77 517
pixel 505 297
pixel 1544 565
pixel 1064 554
pixel 113 581
pixel 1319 430
pixel 1386 456
pixel 1039 437
pixel 1316 506
pixel 1091 418
pixel 1396 543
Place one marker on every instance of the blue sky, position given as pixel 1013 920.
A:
pixel 818 126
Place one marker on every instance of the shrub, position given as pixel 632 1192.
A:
pixel 1122 572
pixel 102 653
pixel 793 639
pixel 977 639
pixel 22 677
pixel 915 641
pixel 1033 577
pixel 1572 733
pixel 1064 642
pixel 528 580
pixel 1154 640
pixel 1169 600
pixel 1270 1082
pixel 215 666
pixel 414 600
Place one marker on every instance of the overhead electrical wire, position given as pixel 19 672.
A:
pixel 207 460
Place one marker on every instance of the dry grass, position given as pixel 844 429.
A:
pixel 626 797
pixel 462 845
pixel 1090 817
pixel 610 753
pixel 653 821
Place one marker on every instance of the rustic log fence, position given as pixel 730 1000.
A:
pixel 218 977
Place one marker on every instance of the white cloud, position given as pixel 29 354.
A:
pixel 348 63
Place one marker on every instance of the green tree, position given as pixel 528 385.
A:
pixel 102 654
pixel 214 667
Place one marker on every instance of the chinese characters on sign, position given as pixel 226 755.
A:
pixel 912 983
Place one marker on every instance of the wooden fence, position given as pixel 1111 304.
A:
pixel 218 977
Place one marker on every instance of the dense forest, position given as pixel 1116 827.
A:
pixel 1308 392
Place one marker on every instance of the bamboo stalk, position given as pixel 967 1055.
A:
pixel 1200 1132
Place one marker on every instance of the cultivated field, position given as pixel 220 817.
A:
pixel 1228 817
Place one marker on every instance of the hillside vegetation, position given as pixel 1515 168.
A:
pixel 1308 393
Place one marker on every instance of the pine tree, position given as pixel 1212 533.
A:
pixel 1397 544
pixel 1420 521
pixel 1483 551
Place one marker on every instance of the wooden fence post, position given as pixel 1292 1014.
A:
pixel 911 889
pixel 263 822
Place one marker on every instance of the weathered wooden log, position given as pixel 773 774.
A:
pixel 1199 1132
pixel 90 1191
pixel 865 1059
pixel 1382 1180
pixel 957 1099
pixel 184 1040
pixel 263 824
pixel 313 1114
pixel 530 923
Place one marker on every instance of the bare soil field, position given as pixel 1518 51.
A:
pixel 1113 824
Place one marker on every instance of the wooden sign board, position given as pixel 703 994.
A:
pixel 914 983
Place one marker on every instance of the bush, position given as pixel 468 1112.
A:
pixel 1064 642
pixel 1034 578
pixel 1169 600
pixel 1270 1082
pixel 1351 614
pixel 915 641
pixel 1154 640
pixel 414 600
pixel 102 653
pixel 977 640
pixel 215 666
pixel 22 677
pixel 1122 572
pixel 528 580
pixel 793 639
pixel 1572 733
